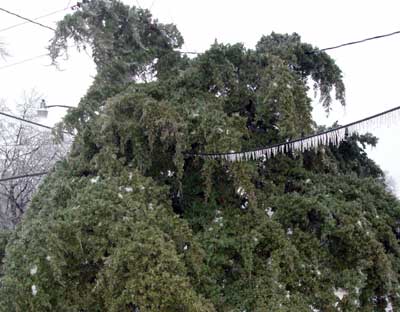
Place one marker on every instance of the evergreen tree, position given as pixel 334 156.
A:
pixel 128 223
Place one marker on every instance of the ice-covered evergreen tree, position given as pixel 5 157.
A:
pixel 128 223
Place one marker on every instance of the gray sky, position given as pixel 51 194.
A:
pixel 370 69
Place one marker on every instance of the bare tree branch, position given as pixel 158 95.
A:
pixel 3 51
pixel 24 149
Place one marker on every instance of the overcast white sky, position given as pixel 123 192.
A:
pixel 371 70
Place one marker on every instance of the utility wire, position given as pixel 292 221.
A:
pixel 26 22
pixel 188 52
pixel 69 7
pixel 29 59
pixel 197 53
pixel 63 106
pixel 27 19
pixel 29 121
pixel 152 4
pixel 337 46
pixel 279 147
pixel 69 3
pixel 23 176
pixel 43 55
pixel 334 47
pixel 23 61
pixel 26 120
pixel 282 146
pixel 357 42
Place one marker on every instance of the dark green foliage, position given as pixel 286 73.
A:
pixel 4 235
pixel 123 40
pixel 307 61
pixel 128 223
pixel 102 243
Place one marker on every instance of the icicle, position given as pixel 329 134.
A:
pixel 299 146
pixel 333 137
pixel 337 137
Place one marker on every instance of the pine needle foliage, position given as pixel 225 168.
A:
pixel 128 223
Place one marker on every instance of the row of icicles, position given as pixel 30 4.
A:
pixel 330 137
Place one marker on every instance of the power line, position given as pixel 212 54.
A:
pixel 63 106
pixel 15 146
pixel 23 176
pixel 43 55
pixel 337 46
pixel 30 122
pixel 332 136
pixel 23 61
pixel 188 52
pixel 197 53
pixel 152 4
pixel 26 22
pixel 357 42
pixel 333 47
pixel 26 120
pixel 69 3
pixel 27 19
pixel 69 7
pixel 29 59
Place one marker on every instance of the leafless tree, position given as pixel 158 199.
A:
pixel 3 51
pixel 24 149
pixel 391 185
